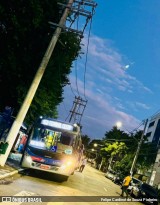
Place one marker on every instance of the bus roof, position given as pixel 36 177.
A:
pixel 60 124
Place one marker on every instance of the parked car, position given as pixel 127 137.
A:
pixel 118 179
pixel 110 174
pixel 145 191
pixel 134 184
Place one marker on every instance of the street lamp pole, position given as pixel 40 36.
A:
pixel 138 149
pixel 96 145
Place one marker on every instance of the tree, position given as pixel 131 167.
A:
pixel 116 149
pixel 24 36
pixel 115 134
pixel 85 140
pixel 123 162
pixel 147 156
pixel 124 165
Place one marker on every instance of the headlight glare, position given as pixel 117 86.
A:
pixel 29 159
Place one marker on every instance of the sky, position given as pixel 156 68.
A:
pixel 122 80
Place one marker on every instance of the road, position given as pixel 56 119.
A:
pixel 89 183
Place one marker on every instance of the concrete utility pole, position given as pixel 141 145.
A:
pixel 26 104
pixel 138 149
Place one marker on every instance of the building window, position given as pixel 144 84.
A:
pixel 156 136
pixel 148 134
pixel 151 124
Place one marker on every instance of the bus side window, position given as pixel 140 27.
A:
pixel 74 143
pixel 57 136
pixel 77 144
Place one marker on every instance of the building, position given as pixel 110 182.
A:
pixel 153 129
pixel 153 134
pixel 155 172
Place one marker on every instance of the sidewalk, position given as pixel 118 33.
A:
pixel 11 167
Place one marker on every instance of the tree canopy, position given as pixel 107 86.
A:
pixel 24 36
pixel 122 147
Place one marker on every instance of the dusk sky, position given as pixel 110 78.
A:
pixel 122 81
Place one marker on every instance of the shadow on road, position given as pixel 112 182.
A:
pixel 43 175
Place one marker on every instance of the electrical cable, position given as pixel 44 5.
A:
pixel 60 82
pixel 76 16
pixel 135 129
pixel 76 77
pixel 72 89
pixel 158 111
pixel 64 106
pixel 88 41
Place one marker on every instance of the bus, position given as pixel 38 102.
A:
pixel 53 146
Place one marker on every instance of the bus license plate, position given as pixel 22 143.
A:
pixel 43 166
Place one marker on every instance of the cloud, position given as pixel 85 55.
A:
pixel 136 106
pixel 100 91
pixel 105 85
pixel 107 61
pixel 103 116
pixel 142 105
pixel 100 114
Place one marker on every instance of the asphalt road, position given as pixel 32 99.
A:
pixel 89 184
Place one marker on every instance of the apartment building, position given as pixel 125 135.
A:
pixel 153 129
pixel 153 134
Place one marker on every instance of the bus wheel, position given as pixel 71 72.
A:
pixel 61 178
pixel 64 178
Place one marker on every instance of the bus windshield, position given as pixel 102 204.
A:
pixel 47 138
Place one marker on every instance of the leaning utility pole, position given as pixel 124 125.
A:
pixel 31 92
pixel 77 110
pixel 138 149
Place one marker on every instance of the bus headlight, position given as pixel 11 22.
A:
pixel 29 159
pixel 63 167
pixel 67 165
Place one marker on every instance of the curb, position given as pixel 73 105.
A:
pixel 10 173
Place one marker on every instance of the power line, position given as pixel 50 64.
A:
pixel 79 103
pixel 135 129
pixel 158 111
pixel 72 89
pixel 79 9
pixel 76 59
pixel 87 54
pixel 76 76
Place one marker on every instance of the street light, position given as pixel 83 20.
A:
pixel 96 145
pixel 119 124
